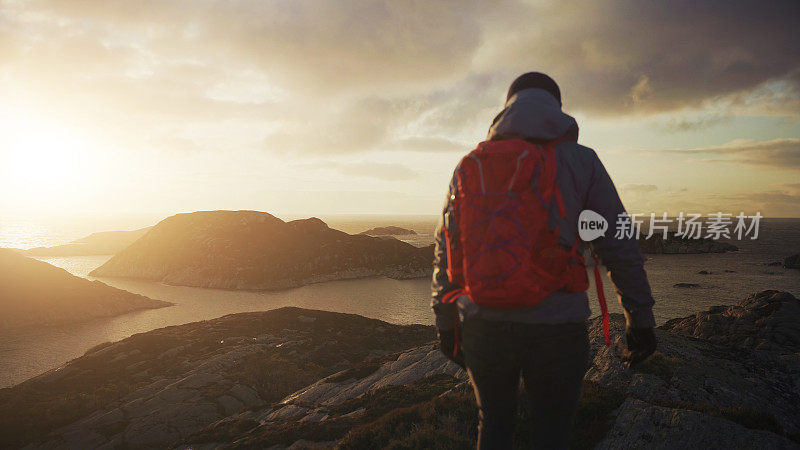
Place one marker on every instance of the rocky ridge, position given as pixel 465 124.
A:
pixel 724 378
pixel 156 388
pixel 790 262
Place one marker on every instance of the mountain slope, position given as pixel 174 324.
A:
pixel 155 388
pixel 34 292
pixel 101 243
pixel 255 250
pixel 316 379
pixel 692 393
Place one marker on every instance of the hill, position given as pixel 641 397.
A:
pixel 35 293
pixel 102 243
pixel 255 250
pixel 156 388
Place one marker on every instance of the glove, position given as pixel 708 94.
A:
pixel 447 342
pixel 641 344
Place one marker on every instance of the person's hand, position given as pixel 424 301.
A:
pixel 641 344
pixel 447 342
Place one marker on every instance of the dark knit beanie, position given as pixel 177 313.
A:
pixel 534 80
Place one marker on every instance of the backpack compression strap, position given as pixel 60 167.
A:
pixel 601 298
pixel 451 297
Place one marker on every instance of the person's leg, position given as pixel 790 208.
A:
pixel 554 360
pixel 494 374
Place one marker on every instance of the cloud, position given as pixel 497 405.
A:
pixel 777 153
pixel 680 53
pixel 793 187
pixel 366 169
pixel 315 45
pixel 430 144
pixel 322 77
pixel 772 203
pixel 688 122
pixel 641 90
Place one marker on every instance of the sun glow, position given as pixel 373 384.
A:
pixel 42 163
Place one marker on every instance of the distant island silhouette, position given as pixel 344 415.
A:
pixel 258 251
pixel 390 230
pixel 676 244
pixel 101 243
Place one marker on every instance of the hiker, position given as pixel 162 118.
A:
pixel 509 275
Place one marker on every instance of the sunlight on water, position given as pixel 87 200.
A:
pixel 77 265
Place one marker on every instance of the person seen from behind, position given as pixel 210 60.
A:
pixel 509 281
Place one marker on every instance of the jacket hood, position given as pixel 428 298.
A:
pixel 533 114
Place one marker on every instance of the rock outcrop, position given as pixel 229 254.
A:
pixel 157 388
pixel 765 321
pixel 36 293
pixel 640 425
pixel 676 244
pixel 792 262
pixel 102 243
pixel 388 231
pixel 292 378
pixel 255 250
pixel 684 396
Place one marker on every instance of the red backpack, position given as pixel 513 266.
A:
pixel 501 248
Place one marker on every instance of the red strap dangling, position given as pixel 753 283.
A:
pixel 601 297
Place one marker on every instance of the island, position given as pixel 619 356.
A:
pixel 722 378
pixel 257 251
pixel 674 244
pixel 389 231
pixel 790 262
pixel 102 243
pixel 36 293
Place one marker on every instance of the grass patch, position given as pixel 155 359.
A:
pixel 451 422
pixel 387 398
pixel 448 422
pixel 284 434
pixel 274 375
pixel 748 418
pixel 30 411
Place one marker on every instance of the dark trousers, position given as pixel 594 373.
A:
pixel 552 360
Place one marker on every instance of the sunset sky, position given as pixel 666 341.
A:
pixel 323 107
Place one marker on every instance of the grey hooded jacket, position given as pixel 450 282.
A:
pixel 535 115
